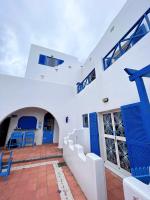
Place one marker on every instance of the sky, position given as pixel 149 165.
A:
pixel 69 26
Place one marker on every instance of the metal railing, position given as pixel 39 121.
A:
pixel 136 32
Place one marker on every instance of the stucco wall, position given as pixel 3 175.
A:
pixel 18 93
pixel 64 75
pixel 56 93
pixel 113 83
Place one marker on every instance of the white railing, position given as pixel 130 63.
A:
pixel 88 170
pixel 135 189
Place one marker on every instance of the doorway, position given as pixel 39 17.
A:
pixel 115 148
pixel 3 131
pixel 48 129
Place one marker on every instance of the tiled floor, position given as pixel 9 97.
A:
pixel 36 151
pixel 114 186
pixel 40 182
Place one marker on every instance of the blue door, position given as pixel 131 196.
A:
pixel 94 134
pixel 47 137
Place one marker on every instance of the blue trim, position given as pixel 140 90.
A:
pixel 94 134
pixel 49 61
pixel 131 39
pixel 90 77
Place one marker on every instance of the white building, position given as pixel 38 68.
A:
pixel 70 91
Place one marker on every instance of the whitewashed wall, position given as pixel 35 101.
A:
pixel 113 83
pixel 18 93
pixel 64 74
pixel 56 93
pixel 135 189
pixel 88 170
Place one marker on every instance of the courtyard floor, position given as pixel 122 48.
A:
pixel 47 179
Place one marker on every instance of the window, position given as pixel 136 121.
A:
pixel 115 146
pixel 27 123
pixel 138 31
pixel 50 61
pixel 91 77
pixel 85 120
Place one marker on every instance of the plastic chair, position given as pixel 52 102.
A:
pixel 18 137
pixel 5 167
pixel 142 174
pixel 29 138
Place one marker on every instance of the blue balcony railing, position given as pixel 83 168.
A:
pixel 138 31
pixel 91 76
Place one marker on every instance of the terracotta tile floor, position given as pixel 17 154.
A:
pixel 40 182
pixel 114 186
pixel 36 151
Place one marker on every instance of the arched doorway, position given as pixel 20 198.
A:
pixel 48 129
pixel 26 119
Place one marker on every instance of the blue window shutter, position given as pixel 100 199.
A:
pixel 42 59
pixel 27 122
pixel 94 134
pixel 137 141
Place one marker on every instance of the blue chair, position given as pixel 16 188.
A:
pixel 142 174
pixel 29 138
pixel 5 167
pixel 18 138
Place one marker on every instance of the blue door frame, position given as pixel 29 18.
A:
pixel 94 134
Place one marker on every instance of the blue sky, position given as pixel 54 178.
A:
pixel 69 26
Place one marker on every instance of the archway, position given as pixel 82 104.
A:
pixel 26 119
pixel 50 129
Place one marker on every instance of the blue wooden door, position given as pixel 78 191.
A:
pixel 47 137
pixel 94 134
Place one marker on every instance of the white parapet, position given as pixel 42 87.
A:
pixel 135 189
pixel 88 170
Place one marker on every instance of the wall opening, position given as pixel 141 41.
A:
pixel 27 119
pixel 4 130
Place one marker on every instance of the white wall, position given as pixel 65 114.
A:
pixel 64 74
pixel 88 170
pixel 113 83
pixel 18 93
pixel 56 132
pixel 56 93
pixel 135 189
